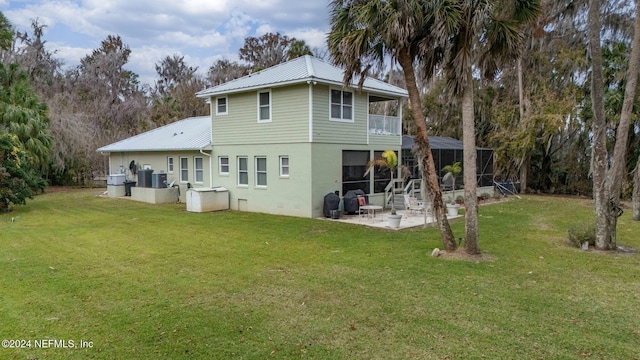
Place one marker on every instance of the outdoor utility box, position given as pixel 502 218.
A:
pixel 144 178
pixel 159 181
pixel 207 199
pixel 115 179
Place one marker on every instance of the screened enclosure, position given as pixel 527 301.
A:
pixel 447 151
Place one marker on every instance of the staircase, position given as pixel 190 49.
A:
pixel 398 202
pixel 395 192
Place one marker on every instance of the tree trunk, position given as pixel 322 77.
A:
pixel 469 168
pixel 599 149
pixel 524 173
pixel 428 167
pixel 616 175
pixel 635 198
pixel 524 112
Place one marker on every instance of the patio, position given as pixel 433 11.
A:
pixel 409 219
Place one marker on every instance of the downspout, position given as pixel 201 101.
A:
pixel 311 84
pixel 210 168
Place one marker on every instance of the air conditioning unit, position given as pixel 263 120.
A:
pixel 159 181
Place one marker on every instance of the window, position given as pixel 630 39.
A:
pixel 170 165
pixel 223 165
pixel 284 166
pixel 184 169
pixel 342 105
pixel 354 166
pixel 261 171
pixel 264 106
pixel 221 106
pixel 243 171
pixel 198 168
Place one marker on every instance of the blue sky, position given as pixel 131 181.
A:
pixel 200 30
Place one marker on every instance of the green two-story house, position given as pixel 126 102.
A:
pixel 284 137
pixel 279 140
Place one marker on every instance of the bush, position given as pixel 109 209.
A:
pixel 580 233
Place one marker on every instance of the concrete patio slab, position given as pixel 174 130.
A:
pixel 409 220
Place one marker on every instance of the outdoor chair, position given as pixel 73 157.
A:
pixel 362 201
pixel 412 204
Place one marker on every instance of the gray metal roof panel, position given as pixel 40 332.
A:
pixel 189 134
pixel 436 142
pixel 299 70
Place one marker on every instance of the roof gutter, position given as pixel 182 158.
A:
pixel 209 94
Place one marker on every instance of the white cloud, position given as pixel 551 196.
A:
pixel 263 29
pixel 201 30
pixel 313 37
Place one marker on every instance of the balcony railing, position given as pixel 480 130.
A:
pixel 384 125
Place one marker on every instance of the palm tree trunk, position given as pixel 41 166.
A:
pixel 616 174
pixel 635 197
pixel 422 140
pixel 599 150
pixel 469 168
pixel 524 111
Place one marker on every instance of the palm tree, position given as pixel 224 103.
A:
pixel 453 169
pixel 388 160
pixel 24 115
pixel 366 33
pixel 487 32
pixel 615 175
pixel 6 33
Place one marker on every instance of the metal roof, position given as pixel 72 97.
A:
pixel 300 70
pixel 436 143
pixel 193 133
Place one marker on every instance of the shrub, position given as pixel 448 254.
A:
pixel 580 233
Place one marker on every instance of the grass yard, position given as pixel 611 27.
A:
pixel 140 281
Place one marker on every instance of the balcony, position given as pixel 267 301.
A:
pixel 385 125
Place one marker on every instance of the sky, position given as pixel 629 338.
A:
pixel 202 31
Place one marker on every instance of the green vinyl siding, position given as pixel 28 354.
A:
pixel 327 131
pixel 289 118
pixel 282 195
pixel 385 141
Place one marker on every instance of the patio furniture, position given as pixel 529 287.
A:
pixel 370 210
pixel 412 204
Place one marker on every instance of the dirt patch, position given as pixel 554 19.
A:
pixel 461 254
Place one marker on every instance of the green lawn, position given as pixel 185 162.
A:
pixel 142 281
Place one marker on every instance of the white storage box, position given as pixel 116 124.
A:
pixel 115 179
pixel 207 199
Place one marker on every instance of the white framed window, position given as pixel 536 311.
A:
pixel 184 169
pixel 341 105
pixel 198 170
pixel 170 164
pixel 222 105
pixel 284 166
pixel 264 106
pixel 243 171
pixel 261 171
pixel 223 165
